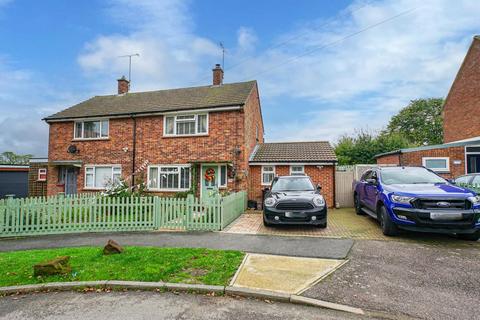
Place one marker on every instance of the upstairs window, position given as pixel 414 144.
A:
pixel 91 129
pixel 186 125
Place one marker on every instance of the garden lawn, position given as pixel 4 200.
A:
pixel 204 266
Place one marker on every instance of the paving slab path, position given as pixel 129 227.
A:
pixel 275 245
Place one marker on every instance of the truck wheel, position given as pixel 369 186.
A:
pixel 470 237
pixel 388 227
pixel 358 207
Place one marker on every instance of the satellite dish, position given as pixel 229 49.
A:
pixel 72 149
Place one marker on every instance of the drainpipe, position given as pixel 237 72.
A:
pixel 134 150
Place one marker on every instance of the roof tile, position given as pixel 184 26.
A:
pixel 312 151
pixel 160 101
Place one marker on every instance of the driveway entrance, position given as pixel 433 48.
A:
pixel 342 223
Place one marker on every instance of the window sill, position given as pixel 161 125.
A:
pixel 94 189
pixel 90 139
pixel 167 190
pixel 185 135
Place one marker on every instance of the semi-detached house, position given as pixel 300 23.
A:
pixel 205 139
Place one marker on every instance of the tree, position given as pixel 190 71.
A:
pixel 361 147
pixel 9 157
pixel 420 122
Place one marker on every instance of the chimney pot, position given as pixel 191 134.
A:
pixel 217 75
pixel 123 85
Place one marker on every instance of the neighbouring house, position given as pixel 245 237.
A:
pixel 13 180
pixel 460 152
pixel 203 140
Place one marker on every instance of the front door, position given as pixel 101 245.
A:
pixel 70 180
pixel 209 179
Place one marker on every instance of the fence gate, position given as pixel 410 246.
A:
pixel 343 188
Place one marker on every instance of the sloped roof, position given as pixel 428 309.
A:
pixel 232 94
pixel 312 151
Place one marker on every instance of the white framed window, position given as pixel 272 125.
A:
pixel 438 164
pixel 169 177
pixel 42 174
pixel 222 182
pixel 96 129
pixel 185 125
pixel 268 173
pixel 101 176
pixel 297 170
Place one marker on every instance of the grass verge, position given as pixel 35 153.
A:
pixel 203 266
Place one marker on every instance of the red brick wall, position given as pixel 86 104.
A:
pixel 389 159
pixel 415 159
pixel 228 130
pixel 36 188
pixel 324 176
pixel 461 110
pixel 456 153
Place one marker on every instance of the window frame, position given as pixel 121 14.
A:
pixel 179 167
pixel 42 172
pixel 297 173
pixel 94 166
pixel 83 129
pixel 262 173
pixel 445 169
pixel 174 116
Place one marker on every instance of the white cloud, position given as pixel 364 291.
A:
pixel 415 55
pixel 171 55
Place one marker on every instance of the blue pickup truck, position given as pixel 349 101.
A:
pixel 417 199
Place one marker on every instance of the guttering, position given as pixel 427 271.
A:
pixel 297 163
pixel 148 113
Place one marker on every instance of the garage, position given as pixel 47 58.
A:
pixel 13 181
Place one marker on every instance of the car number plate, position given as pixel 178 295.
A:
pixel 446 216
pixel 294 214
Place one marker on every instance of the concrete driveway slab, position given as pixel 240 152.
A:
pixel 282 274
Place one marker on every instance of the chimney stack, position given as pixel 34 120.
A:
pixel 217 75
pixel 123 85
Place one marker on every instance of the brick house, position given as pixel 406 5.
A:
pixel 460 152
pixel 189 139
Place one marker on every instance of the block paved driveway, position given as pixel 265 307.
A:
pixel 342 223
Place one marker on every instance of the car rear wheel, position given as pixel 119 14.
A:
pixel 470 237
pixel 358 207
pixel 388 227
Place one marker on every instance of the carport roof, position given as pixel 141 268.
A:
pixel 299 152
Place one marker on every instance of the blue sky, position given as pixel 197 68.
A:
pixel 324 68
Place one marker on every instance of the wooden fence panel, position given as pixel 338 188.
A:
pixel 343 188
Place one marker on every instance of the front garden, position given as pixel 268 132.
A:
pixel 199 266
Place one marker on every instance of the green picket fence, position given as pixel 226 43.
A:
pixel 93 213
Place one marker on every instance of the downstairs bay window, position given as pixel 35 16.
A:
pixel 169 178
pixel 100 177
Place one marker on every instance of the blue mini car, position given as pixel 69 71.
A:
pixel 417 199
